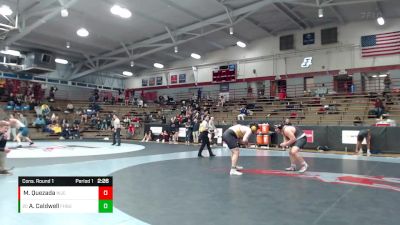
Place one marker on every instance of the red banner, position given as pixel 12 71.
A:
pixel 309 135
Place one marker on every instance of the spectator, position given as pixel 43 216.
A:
pixel 379 108
pixel 163 119
pixel 70 108
pixel 131 131
pixel 148 136
pixel 140 103
pixel 189 131
pixel 221 101
pixel 211 130
pixel 196 133
pixel 75 133
pixel 199 94
pixel 164 136
pixel 52 93
pixel 66 131
pixel 357 121
pixel 387 82
pixel 243 112
pixel 39 123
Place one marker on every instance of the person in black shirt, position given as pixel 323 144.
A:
pixel 4 125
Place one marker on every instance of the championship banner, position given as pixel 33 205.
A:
pixel 174 79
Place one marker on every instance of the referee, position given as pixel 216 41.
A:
pixel 204 137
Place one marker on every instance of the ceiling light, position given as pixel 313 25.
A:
pixel 241 44
pixel 194 68
pixel 380 20
pixel 320 12
pixel 195 56
pixel 5 10
pixel 82 32
pixel 383 75
pixel 64 13
pixel 120 11
pixel 61 61
pixel 127 73
pixel 176 49
pixel 158 65
pixel 68 44
pixel 11 52
pixel 132 63
pixel 231 30
pixel 374 76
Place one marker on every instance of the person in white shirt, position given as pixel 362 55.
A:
pixel 116 130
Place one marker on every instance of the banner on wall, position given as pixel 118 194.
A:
pixel 174 79
pixel 159 80
pixel 309 135
pixel 182 78
pixel 350 137
pixel 308 39
pixel 152 81
pixel 144 82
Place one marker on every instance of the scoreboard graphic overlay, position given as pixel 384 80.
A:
pixel 65 194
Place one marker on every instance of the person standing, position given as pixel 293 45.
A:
pixel 363 134
pixel 4 125
pixel 116 130
pixel 205 141
pixel 212 129
pixel 233 136
pixel 294 138
pixel 196 126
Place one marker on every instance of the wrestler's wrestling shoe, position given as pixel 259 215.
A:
pixel 303 168
pixel 291 168
pixel 235 172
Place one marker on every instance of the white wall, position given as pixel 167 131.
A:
pixel 264 55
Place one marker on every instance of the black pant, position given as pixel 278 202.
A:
pixel 117 136
pixel 205 141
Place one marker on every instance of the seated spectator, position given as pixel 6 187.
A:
pixel 321 110
pixel 56 128
pixel 140 103
pixel 66 131
pixel 379 108
pixel 221 101
pixel 75 132
pixel 164 136
pixel 130 131
pixel 148 136
pixel 357 121
pixel 39 123
pixel 243 113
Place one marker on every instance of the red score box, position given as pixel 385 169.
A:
pixel 105 193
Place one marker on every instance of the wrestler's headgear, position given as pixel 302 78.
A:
pixel 253 127
pixel 279 126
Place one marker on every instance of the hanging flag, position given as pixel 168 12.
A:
pixel 380 44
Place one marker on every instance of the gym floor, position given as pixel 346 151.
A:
pixel 167 184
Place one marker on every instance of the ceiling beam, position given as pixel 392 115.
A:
pixel 36 24
pixel 240 12
pixel 266 30
pixel 331 3
pixel 237 12
pixel 290 15
pixel 175 56
pixel 337 14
